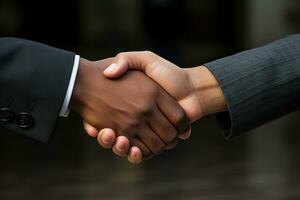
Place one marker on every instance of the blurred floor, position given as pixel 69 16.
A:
pixel 204 167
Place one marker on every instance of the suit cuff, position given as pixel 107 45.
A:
pixel 64 112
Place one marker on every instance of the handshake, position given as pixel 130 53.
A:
pixel 140 104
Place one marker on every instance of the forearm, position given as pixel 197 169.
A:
pixel 33 81
pixel 259 85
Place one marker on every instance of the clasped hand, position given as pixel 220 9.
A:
pixel 141 112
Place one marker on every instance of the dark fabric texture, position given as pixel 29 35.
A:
pixel 33 79
pixel 259 85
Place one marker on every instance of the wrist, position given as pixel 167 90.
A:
pixel 77 99
pixel 207 90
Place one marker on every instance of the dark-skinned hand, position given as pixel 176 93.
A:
pixel 133 105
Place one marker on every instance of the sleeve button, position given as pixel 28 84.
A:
pixel 6 115
pixel 24 120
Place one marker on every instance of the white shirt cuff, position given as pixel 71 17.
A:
pixel 64 112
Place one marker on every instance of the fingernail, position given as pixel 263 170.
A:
pixel 106 138
pixel 186 135
pixel 111 68
pixel 120 145
pixel 134 154
pixel 136 157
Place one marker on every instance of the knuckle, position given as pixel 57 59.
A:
pixel 159 147
pixel 180 116
pixel 153 91
pixel 181 121
pixel 130 126
pixel 146 109
pixel 121 55
pixel 149 54
pixel 146 113
pixel 170 137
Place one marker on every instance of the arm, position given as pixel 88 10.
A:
pixel 254 86
pixel 36 81
pixel 259 85
pixel 33 83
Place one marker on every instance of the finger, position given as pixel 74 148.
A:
pixel 152 141
pixel 135 155
pixel 174 113
pixel 106 138
pixel 162 127
pixel 138 143
pixel 129 60
pixel 121 147
pixel 116 70
pixel 186 135
pixel 172 146
pixel 91 131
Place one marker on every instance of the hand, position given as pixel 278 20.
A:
pixel 134 106
pixel 196 90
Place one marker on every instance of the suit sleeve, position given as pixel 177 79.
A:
pixel 33 83
pixel 259 85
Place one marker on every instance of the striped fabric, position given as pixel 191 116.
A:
pixel 259 85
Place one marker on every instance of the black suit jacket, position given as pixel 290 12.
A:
pixel 33 83
pixel 259 85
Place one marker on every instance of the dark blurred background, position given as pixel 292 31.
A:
pixel 262 164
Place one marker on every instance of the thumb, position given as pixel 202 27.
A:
pixel 128 60
pixel 115 70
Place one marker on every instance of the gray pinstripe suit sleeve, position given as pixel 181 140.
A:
pixel 259 85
